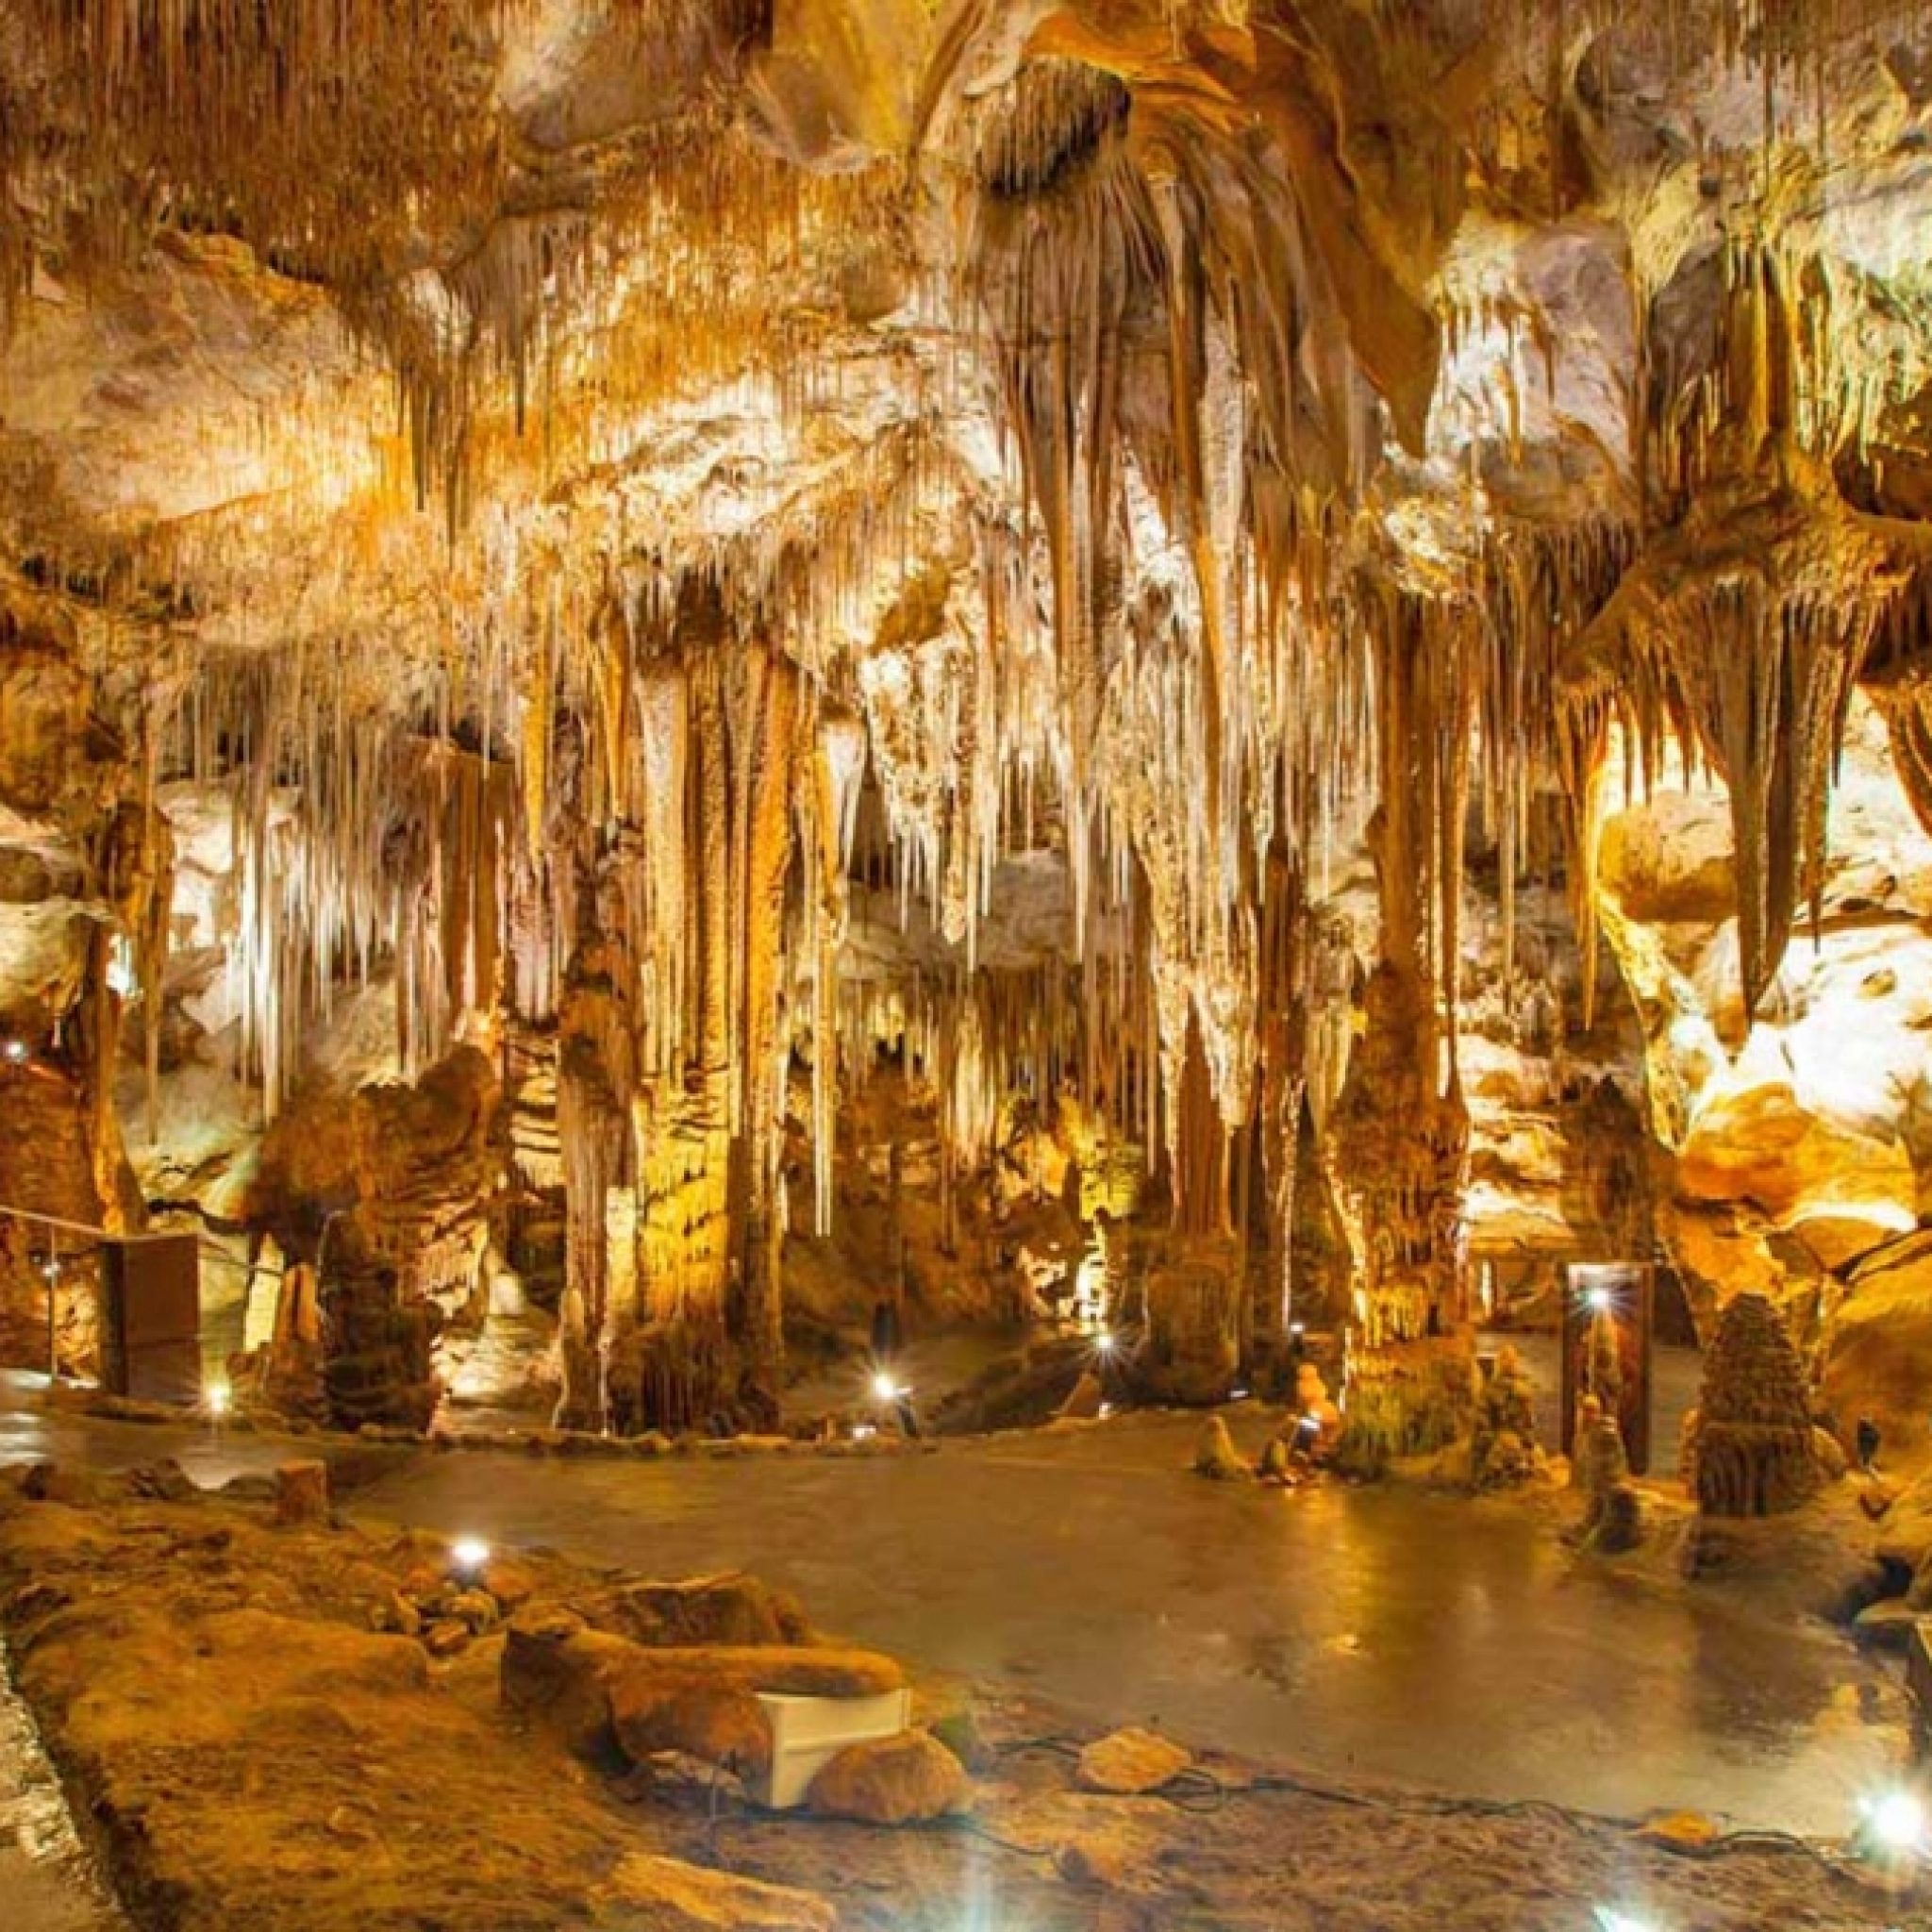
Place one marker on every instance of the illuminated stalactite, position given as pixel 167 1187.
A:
pixel 1048 542
pixel 1737 635
pixel 837 766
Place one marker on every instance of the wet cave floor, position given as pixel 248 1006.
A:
pixel 1382 1633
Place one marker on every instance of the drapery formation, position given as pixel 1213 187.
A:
pixel 948 518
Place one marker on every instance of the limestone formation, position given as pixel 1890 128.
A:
pixel 302 1493
pixel 1504 1452
pixel 1215 1456
pixel 1613 1509
pixel 1751 1454
pixel 1201 666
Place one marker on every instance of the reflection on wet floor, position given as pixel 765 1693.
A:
pixel 1377 1632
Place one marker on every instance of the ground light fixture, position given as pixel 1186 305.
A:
pixel 16 1051
pixel 1103 1342
pixel 468 1554
pixel 217 1398
pixel 884 1386
pixel 1609 1920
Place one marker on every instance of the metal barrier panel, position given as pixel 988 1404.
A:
pixel 151 1317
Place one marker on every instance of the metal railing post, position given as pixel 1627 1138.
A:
pixel 52 1271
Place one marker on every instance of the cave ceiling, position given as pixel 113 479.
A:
pixel 1080 395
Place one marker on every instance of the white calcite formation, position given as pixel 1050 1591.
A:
pixel 1319 611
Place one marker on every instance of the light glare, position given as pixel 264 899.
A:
pixel 469 1553
pixel 1897 1821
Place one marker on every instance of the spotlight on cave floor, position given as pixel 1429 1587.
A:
pixel 217 1398
pixel 1609 1920
pixel 468 1554
pixel 884 1388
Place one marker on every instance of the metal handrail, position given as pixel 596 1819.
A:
pixel 206 1251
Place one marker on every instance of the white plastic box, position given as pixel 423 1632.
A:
pixel 808 1732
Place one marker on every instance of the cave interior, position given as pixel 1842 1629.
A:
pixel 845 719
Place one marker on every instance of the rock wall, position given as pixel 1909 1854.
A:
pixel 1793 1138
pixel 71 845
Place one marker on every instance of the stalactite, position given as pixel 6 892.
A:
pixel 1738 633
pixel 830 805
pixel 1088 582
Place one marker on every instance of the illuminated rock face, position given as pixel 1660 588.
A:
pixel 1098 564
pixel 1805 1122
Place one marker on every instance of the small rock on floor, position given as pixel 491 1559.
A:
pixel 902 1780
pixel 301 1492
pixel 1131 1762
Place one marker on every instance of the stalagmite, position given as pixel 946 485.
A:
pixel 695 543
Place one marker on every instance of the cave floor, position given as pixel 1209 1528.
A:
pixel 44 1874
pixel 1386 1633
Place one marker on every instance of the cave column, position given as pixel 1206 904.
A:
pixel 1397 1152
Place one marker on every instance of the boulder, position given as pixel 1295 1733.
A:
pixel 400 1615
pixel 161 1482
pixel 510 1583
pixel 474 1609
pixel 715 1721
pixel 301 1492
pixel 902 1780
pixel 557 1671
pixel 55 1482
pixel 731 1608
pixel 704 1702
pixel 1097 1859
pixel 1129 1762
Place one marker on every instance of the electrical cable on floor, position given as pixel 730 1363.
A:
pixel 1197 1788
pixel 972 1828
